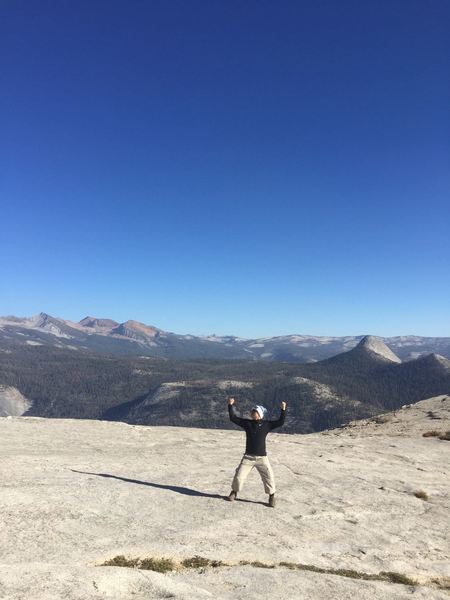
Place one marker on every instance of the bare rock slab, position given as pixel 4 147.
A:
pixel 76 493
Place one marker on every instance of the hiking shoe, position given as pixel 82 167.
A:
pixel 272 500
pixel 232 496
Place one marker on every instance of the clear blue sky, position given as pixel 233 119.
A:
pixel 250 168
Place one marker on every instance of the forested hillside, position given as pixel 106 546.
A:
pixel 356 384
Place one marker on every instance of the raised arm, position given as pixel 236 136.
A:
pixel 232 413
pixel 280 421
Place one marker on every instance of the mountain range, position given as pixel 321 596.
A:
pixel 138 339
pixel 48 381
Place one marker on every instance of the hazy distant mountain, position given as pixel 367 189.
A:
pixel 136 331
pixel 138 339
pixel 371 352
pixel 376 348
pixel 372 373
pixel 98 324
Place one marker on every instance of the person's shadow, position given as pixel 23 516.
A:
pixel 172 488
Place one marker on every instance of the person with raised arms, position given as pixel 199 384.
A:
pixel 256 429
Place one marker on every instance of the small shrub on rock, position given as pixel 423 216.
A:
pixel 197 562
pixel 421 494
pixel 121 561
pixel 161 565
pixel 432 433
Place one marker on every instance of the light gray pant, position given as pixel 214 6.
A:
pixel 264 468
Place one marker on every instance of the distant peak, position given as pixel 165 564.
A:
pixel 376 345
pixel 441 358
pixel 138 325
pixel 88 318
pixel 436 358
pixel 94 322
pixel 40 319
pixel 135 329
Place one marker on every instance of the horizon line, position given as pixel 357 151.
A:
pixel 259 337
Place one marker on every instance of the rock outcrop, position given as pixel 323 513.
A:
pixel 12 402
pixel 375 346
pixel 354 502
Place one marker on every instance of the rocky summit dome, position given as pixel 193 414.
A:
pixel 377 346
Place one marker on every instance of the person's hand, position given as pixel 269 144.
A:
pixel 230 400
pixel 283 406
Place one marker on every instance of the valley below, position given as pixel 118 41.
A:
pixel 365 381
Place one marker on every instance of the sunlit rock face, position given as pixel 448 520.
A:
pixel 76 493
pixel 12 402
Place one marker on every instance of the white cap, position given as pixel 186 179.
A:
pixel 261 410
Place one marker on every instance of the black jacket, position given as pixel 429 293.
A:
pixel 256 431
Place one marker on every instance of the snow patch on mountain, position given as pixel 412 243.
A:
pixel 211 338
